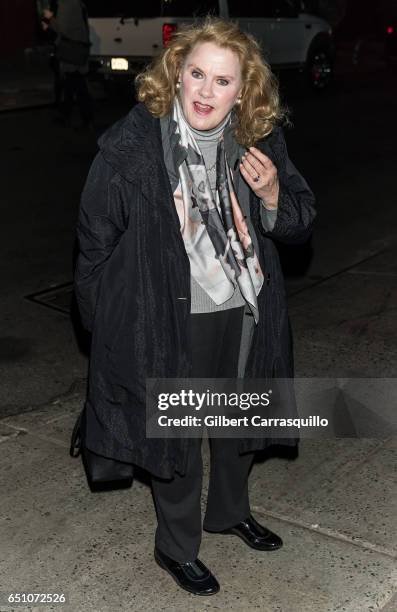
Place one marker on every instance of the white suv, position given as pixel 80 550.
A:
pixel 125 34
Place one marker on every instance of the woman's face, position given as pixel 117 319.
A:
pixel 210 84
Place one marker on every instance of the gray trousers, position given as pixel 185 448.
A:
pixel 216 341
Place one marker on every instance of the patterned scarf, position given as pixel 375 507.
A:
pixel 215 234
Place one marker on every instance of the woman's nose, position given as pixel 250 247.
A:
pixel 206 89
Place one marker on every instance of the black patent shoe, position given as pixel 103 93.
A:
pixel 255 535
pixel 193 576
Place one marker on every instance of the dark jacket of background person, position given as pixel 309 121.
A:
pixel 130 272
pixel 71 21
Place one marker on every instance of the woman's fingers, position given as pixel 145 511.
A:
pixel 258 164
pixel 248 175
pixel 261 157
pixel 253 165
pixel 249 170
pixel 260 173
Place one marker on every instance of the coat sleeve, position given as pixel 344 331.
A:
pixel 296 204
pixel 100 225
pixel 268 217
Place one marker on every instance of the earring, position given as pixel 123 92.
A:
pixel 178 85
pixel 238 101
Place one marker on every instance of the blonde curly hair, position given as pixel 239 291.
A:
pixel 260 109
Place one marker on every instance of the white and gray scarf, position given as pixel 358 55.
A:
pixel 215 233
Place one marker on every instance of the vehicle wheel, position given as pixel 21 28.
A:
pixel 319 68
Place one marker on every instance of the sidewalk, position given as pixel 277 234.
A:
pixel 334 506
pixel 26 79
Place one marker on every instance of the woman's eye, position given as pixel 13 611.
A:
pixel 198 75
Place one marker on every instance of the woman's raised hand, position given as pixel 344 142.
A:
pixel 261 175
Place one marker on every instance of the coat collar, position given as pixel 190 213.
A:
pixel 132 145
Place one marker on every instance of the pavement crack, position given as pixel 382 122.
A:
pixel 77 387
pixel 325 279
pixel 329 533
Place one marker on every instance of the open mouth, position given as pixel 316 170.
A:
pixel 202 109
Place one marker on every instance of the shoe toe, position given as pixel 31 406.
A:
pixel 270 541
pixel 256 535
pixel 211 586
pixel 193 576
pixel 198 578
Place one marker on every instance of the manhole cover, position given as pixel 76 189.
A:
pixel 57 297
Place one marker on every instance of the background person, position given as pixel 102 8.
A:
pixel 72 51
pixel 178 274
pixel 51 37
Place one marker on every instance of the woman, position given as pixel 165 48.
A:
pixel 178 274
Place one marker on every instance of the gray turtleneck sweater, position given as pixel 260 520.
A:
pixel 200 300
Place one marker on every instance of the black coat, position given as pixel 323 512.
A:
pixel 132 268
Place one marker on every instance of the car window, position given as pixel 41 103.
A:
pixel 310 6
pixel 250 8
pixel 285 8
pixel 264 8
pixel 151 8
pixel 123 8
pixel 189 8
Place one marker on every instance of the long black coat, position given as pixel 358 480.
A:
pixel 132 268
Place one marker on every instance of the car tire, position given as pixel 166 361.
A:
pixel 319 68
